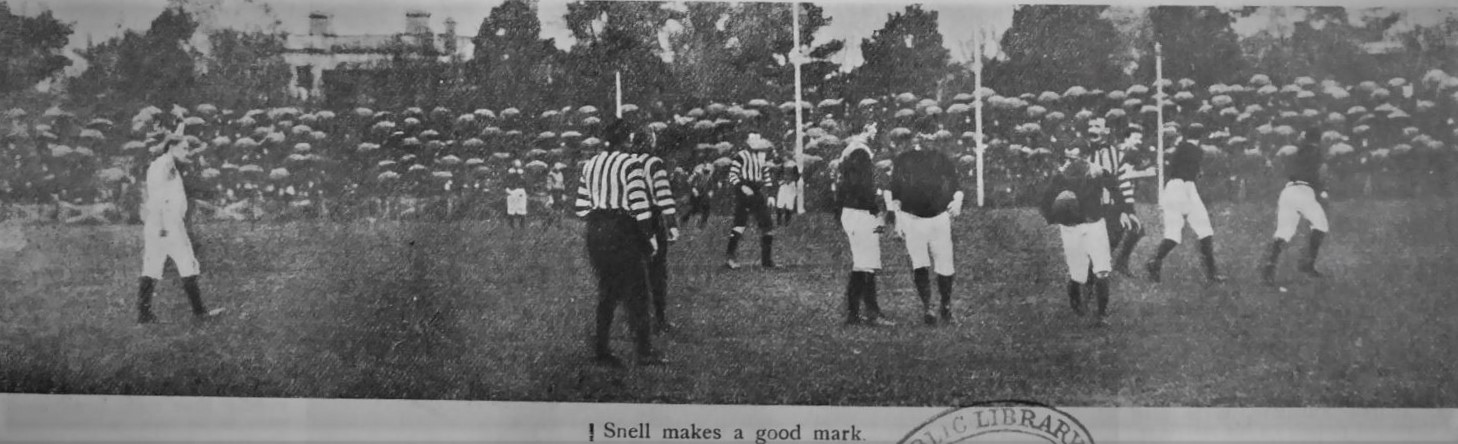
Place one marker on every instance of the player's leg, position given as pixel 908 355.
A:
pixel 767 235
pixel 658 281
pixel 603 255
pixel 636 295
pixel 1172 210
pixel 859 226
pixel 916 233
pixel 1130 240
pixel 1097 244
pixel 180 250
pixel 1287 219
pixel 1078 265
pixel 1199 219
pixel 942 261
pixel 1311 209
pixel 153 259
pixel 741 219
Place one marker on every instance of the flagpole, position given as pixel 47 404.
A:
pixel 1159 102
pixel 981 147
pixel 619 80
pixel 799 111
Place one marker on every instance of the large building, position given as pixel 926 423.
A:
pixel 311 56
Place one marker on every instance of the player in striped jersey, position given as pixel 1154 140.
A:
pixel 613 198
pixel 749 176
pixel 1124 227
pixel 665 226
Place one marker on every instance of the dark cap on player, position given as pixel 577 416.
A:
pixel 1311 135
pixel 617 134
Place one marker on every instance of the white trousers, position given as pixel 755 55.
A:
pixel 785 198
pixel 1180 204
pixel 516 202
pixel 157 248
pixel 1297 202
pixel 1084 245
pixel 928 241
pixel 860 227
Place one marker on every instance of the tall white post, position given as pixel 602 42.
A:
pixel 619 78
pixel 799 111
pixel 981 147
pixel 1159 102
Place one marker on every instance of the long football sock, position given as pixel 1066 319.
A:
pixel 1313 248
pixel 1165 247
pixel 194 295
pixel 944 285
pixel 921 277
pixel 1207 255
pixel 1075 296
pixel 145 288
pixel 733 244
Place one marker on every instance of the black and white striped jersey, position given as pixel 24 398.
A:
pixel 750 167
pixel 1110 158
pixel 660 189
pixel 614 181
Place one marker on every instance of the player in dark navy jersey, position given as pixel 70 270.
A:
pixel 1181 203
pixel 1301 198
pixel 925 194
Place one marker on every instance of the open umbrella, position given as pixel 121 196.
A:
pixel 1075 91
pixel 302 147
pixel 1267 90
pixel 510 112
pixel 591 121
pixel 904 113
pixel 1184 96
pixel 906 98
pixel 867 102
pixel 1131 103
pixel 963 97
pixel 591 142
pixel 759 103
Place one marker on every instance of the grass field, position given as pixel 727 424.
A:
pixel 478 311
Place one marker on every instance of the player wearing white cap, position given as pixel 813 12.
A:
pixel 164 206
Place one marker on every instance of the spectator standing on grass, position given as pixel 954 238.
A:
pixel 1303 197
pixel 166 236
pixel 556 193
pixel 789 191
pixel 856 192
pixel 516 195
pixel 613 198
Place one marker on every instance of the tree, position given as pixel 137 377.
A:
pixel 616 37
pixel 30 48
pixel 244 69
pixel 905 55
pixel 1052 47
pixel 512 65
pixel 157 67
pixel 1199 44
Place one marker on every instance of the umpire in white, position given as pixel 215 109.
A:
pixel 164 210
pixel 925 193
pixel 613 198
pixel 856 193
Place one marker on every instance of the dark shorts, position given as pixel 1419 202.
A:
pixel 756 205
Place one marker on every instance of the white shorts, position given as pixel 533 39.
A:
pixel 928 241
pixel 860 227
pixel 156 249
pixel 516 203
pixel 1181 203
pixel 788 194
pixel 1084 245
pixel 1297 202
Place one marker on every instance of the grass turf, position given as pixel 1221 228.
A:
pixel 479 311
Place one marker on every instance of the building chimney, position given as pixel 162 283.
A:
pixel 417 22
pixel 320 24
pixel 450 35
